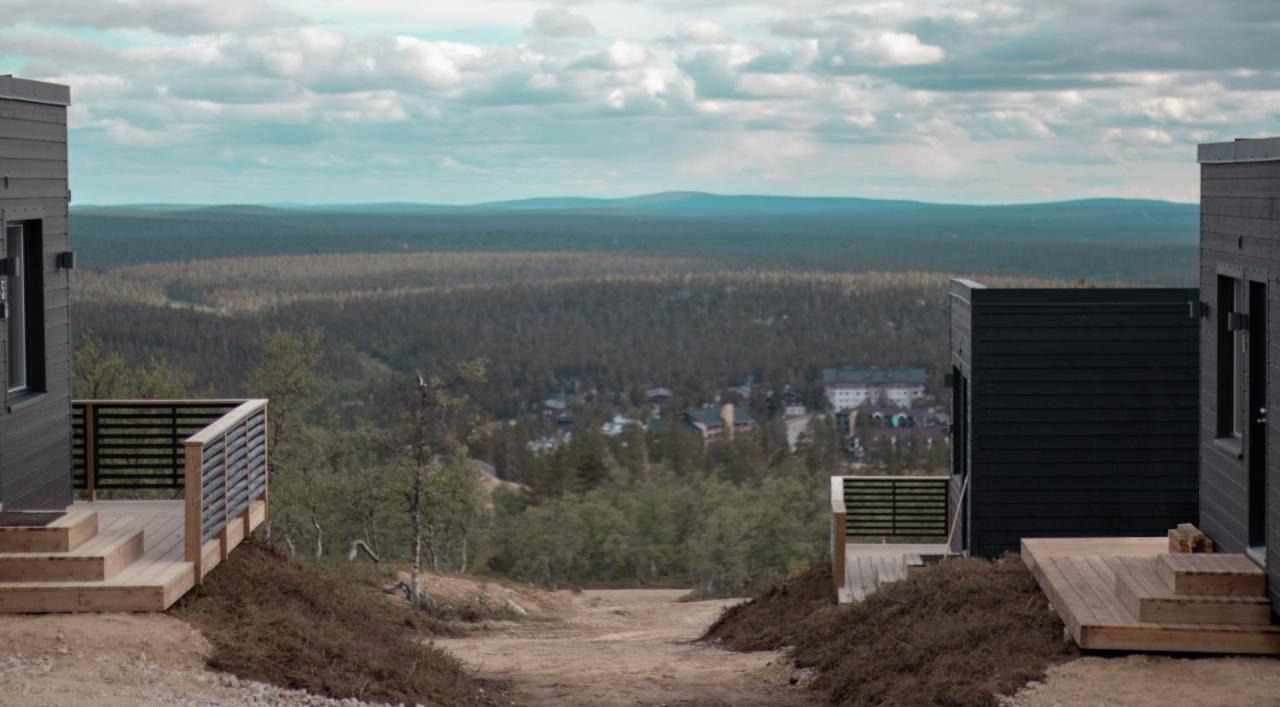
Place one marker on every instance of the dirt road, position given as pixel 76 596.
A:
pixel 626 647
pixel 120 660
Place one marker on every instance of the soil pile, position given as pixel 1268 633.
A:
pixel 470 599
pixel 776 618
pixel 961 632
pixel 273 620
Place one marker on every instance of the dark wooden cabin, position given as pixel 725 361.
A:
pixel 35 420
pixel 97 554
pixel 1239 263
pixel 1074 413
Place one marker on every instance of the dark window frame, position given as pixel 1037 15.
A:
pixel 29 269
pixel 1232 344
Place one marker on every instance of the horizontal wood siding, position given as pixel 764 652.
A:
pixel 1239 228
pixel 1084 414
pixel 961 347
pixel 35 435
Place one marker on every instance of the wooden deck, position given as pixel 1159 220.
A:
pixel 119 556
pixel 1101 587
pixel 868 565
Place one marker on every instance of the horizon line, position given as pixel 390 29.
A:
pixel 285 205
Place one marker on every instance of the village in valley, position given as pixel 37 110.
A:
pixel 885 418
pixel 634 354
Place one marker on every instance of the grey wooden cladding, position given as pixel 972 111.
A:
pixel 1081 414
pixel 35 427
pixel 37 130
pixel 27 91
pixel 19 149
pixel 1239 237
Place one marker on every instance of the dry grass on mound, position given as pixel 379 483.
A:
pixel 776 618
pixel 276 621
pixel 957 633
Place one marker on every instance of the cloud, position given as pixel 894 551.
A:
pixel 703 32
pixel 559 23
pixel 879 49
pixel 618 55
pixel 968 99
pixel 172 17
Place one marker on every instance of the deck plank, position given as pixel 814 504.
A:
pixel 151 582
pixel 1080 578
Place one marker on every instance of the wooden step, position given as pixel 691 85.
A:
pixel 157 587
pixel 1149 599
pixel 62 535
pixel 96 560
pixel 1223 574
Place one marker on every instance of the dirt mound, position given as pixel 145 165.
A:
pixel 273 620
pixel 957 633
pixel 774 619
pixel 476 599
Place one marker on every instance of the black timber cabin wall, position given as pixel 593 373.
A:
pixel 1081 413
pixel 35 425
pixel 1240 239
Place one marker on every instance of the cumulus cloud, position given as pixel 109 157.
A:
pixel 559 23
pixel 174 17
pixel 618 55
pixel 703 32
pixel 880 49
pixel 820 95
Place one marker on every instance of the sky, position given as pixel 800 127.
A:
pixel 323 101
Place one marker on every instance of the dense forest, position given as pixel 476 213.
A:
pixel 357 326
pixel 607 337
pixel 1101 240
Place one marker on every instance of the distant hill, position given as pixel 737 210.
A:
pixel 825 232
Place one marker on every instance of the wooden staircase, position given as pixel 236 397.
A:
pixel 1130 594
pixel 1195 589
pixel 126 559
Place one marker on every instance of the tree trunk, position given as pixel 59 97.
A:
pixel 415 524
pixel 319 537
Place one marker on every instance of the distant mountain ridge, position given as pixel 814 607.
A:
pixel 1101 239
pixel 691 202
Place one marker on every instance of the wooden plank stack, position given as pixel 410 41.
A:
pixel 1187 538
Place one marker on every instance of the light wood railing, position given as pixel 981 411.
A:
pixel 225 483
pixel 885 508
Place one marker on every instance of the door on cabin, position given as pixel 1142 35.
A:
pixel 1256 400
pixel 959 487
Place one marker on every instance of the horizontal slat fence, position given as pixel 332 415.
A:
pixel 136 444
pixel 226 470
pixel 214 451
pixel 895 507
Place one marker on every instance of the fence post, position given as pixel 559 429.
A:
pixel 193 497
pixel 173 442
pixel 837 532
pixel 893 508
pixel 90 451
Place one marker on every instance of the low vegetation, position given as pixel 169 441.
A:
pixel 276 621
pixel 958 633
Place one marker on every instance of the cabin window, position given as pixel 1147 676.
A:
pixel 959 423
pixel 24 307
pixel 1232 349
